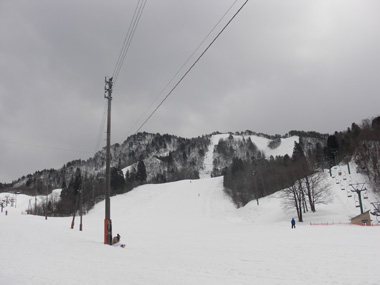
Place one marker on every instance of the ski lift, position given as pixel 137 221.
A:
pixel 376 211
pixel 337 181
pixel 349 194
pixel 357 204
pixel 365 194
pixel 342 188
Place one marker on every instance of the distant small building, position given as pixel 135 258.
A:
pixel 362 219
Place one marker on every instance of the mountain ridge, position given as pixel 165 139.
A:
pixel 154 149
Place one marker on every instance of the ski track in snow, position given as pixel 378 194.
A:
pixel 189 232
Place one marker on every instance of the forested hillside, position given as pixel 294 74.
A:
pixel 300 175
pixel 253 165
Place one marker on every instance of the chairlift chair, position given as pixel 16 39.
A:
pixel 376 210
pixel 349 194
pixel 357 204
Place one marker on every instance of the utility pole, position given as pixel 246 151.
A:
pixel 75 211
pixel 355 188
pixel 107 220
pixel 81 203
pixel 81 207
pixel 30 208
pixel 47 200
pixel 254 175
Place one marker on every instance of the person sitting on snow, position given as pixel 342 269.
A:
pixel 116 239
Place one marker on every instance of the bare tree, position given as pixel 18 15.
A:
pixel 293 198
pixel 309 190
pixel 293 192
pixel 318 192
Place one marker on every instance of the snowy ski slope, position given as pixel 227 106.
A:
pixel 189 232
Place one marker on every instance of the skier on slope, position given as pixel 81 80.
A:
pixel 293 222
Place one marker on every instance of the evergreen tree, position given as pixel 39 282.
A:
pixel 141 172
pixel 117 180
pixel 69 195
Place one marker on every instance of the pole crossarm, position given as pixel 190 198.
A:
pixel 355 187
pixel 108 88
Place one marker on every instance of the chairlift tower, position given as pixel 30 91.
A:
pixel 335 153
pixel 107 220
pixel 358 188
pixel 376 211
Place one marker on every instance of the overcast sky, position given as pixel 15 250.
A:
pixel 279 66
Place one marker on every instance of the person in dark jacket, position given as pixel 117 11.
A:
pixel 293 222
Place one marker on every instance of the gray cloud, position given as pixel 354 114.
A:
pixel 280 65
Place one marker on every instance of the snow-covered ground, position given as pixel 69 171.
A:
pixel 189 232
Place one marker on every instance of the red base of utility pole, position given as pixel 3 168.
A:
pixel 107 231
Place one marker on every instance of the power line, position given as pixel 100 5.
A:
pixel 101 128
pixel 128 38
pixel 180 69
pixel 120 60
pixel 191 67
